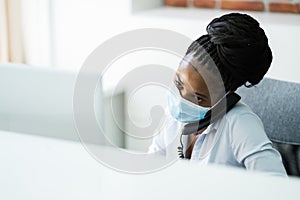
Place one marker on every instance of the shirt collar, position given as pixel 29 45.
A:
pixel 213 126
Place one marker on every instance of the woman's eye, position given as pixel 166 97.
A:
pixel 199 99
pixel 178 84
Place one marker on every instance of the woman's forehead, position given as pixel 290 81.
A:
pixel 191 77
pixel 201 79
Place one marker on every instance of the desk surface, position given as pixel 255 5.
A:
pixel 34 167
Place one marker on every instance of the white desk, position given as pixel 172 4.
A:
pixel 35 167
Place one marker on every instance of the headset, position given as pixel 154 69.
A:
pixel 218 111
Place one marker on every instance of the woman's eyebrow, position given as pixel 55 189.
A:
pixel 179 79
pixel 201 95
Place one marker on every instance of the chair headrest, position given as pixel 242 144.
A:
pixel 277 103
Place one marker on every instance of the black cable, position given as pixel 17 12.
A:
pixel 180 149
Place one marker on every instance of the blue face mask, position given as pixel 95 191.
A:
pixel 183 110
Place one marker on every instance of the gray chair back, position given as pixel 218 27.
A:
pixel 277 103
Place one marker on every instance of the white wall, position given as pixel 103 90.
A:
pixel 82 26
pixel 37 35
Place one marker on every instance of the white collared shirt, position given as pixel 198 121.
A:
pixel 237 139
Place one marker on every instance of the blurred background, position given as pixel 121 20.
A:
pixel 43 44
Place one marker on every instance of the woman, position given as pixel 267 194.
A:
pixel 233 53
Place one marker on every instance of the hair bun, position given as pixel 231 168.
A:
pixel 242 46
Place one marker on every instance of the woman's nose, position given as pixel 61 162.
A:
pixel 183 93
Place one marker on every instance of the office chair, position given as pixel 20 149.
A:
pixel 277 103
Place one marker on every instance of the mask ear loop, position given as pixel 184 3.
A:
pixel 220 100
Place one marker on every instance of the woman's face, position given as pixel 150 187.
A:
pixel 191 85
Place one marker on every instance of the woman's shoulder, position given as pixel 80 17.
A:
pixel 245 128
pixel 239 109
pixel 241 112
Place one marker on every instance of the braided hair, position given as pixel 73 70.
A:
pixel 239 48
